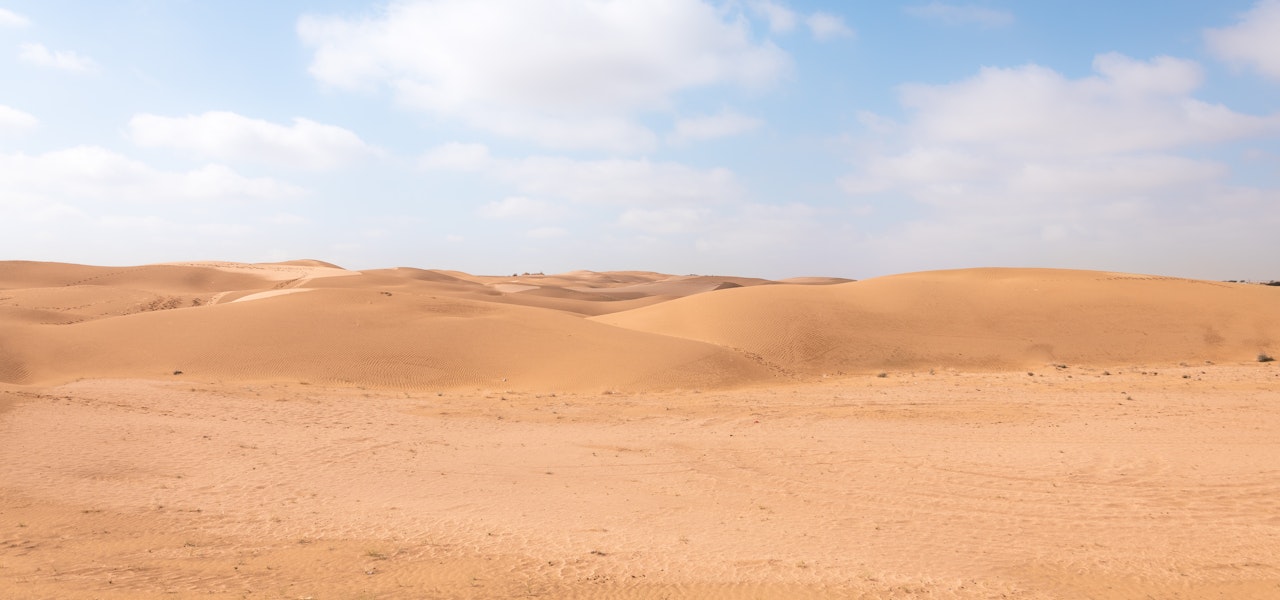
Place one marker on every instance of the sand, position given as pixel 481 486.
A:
pixel 187 430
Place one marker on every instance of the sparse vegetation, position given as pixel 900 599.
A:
pixel 1265 358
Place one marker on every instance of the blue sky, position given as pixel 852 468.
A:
pixel 762 138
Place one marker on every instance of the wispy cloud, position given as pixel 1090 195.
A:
pixel 456 156
pixel 9 18
pixel 1253 41
pixel 720 125
pixel 520 207
pixel 544 233
pixel 825 26
pixel 781 19
pixel 228 136
pixel 624 182
pixel 14 120
pixel 90 173
pixel 39 55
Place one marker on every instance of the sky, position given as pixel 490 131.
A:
pixel 765 138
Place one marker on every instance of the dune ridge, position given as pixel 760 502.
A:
pixel 407 327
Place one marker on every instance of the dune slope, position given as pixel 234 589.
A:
pixel 374 338
pixel 977 318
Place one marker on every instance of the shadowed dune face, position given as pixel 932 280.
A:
pixel 404 328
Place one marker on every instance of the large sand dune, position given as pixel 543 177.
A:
pixel 977 318
pixel 419 328
pixel 373 330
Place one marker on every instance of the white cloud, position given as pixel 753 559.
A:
pixel 1185 233
pixel 9 18
pixel 778 237
pixel 617 134
pixel 962 14
pixel 620 181
pixel 284 218
pixel 781 19
pixel 224 229
pixel 1113 176
pixel 631 182
pixel 680 219
pixel 566 74
pixel 1254 41
pixel 38 54
pixel 13 120
pixel 826 26
pixel 823 26
pixel 231 137
pixel 543 233
pixel 83 201
pixel 456 156
pixel 1131 106
pixel 519 207
pixel 91 174
pixel 1072 172
pixel 725 124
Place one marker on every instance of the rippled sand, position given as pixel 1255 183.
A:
pixel 1156 481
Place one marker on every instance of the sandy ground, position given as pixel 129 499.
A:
pixel 1077 482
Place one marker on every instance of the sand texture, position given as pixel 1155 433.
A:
pixel 297 430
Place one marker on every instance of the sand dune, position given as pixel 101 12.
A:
pixel 365 337
pixel 409 327
pixel 977 318
pixel 385 327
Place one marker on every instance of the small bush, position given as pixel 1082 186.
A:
pixel 1264 358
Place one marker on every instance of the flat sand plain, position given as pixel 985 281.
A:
pixel 425 434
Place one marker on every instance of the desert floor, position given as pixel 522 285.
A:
pixel 1160 481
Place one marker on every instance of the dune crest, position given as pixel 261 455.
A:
pixel 407 328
